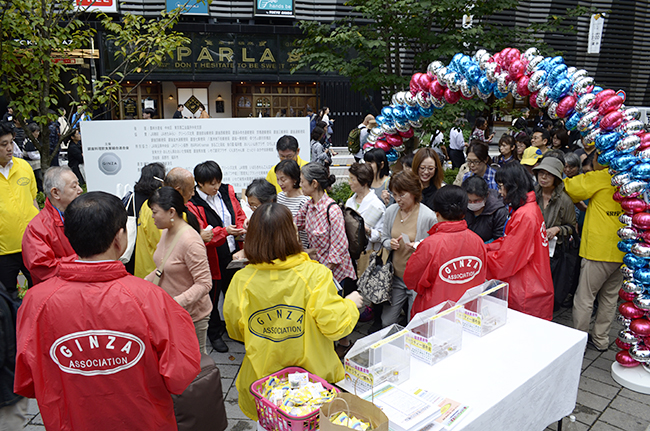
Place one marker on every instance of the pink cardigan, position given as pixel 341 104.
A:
pixel 186 275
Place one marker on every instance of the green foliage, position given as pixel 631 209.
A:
pixel 450 175
pixel 35 32
pixel 340 192
pixel 40 199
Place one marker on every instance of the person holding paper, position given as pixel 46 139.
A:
pixel 521 257
pixel 451 259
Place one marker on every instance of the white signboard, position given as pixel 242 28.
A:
pixel 595 33
pixel 115 151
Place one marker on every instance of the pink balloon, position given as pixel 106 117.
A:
pixel 516 70
pixel 645 235
pixel 565 106
pixel 522 86
pixel 645 138
pixel 641 220
pixel 611 121
pixel 623 357
pixel 630 311
pixel 394 140
pixel 496 58
pixel 414 85
pixel 533 99
pixel 436 89
pixel 368 146
pixel 603 95
pixel 452 96
pixel 626 296
pixel 618 197
pixel 512 56
pixel 383 145
pixel 633 205
pixel 610 104
pixel 640 327
pixel 622 345
pixel 424 81
pixel 407 134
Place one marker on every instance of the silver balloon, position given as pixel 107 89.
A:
pixel 633 113
pixel 400 148
pixel 633 188
pixel 642 301
pixel 479 54
pixel 625 219
pixel 628 233
pixel 578 74
pixel 502 82
pixel 623 320
pixel 627 271
pixel 409 99
pixel 640 353
pixel 452 80
pixel 484 60
pixel 484 97
pixel 387 129
pixel 552 110
pixel 372 139
pixel 587 120
pixel 537 80
pixel 513 90
pixel 622 178
pixel 628 144
pixel 375 131
pixel 542 96
pixel 644 155
pixel 628 337
pixel 466 89
pixel 440 74
pixel 423 99
pixel 570 71
pixel 533 62
pixel 491 72
pixel 631 287
pixel 416 124
pixel 393 99
pixel 530 53
pixel 402 127
pixel 433 67
pixel 641 249
pixel 633 126
pixel 438 103
pixel 400 97
pixel 584 102
pixel 582 84
pixel 592 134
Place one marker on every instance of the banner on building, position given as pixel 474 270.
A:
pixel 595 33
pixel 116 150
pixel 191 7
pixel 107 6
pixel 274 8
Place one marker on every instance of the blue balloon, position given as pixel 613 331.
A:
pixel 572 122
pixel 641 171
pixel 626 245
pixel 426 112
pixel 560 89
pixel 380 119
pixel 399 114
pixel 607 141
pixel 544 64
pixel 623 163
pixel 597 90
pixel 642 276
pixel 500 95
pixel 605 158
pixel 557 73
pixel 387 112
pixel 485 86
pixel 555 61
pixel 473 74
pixel 412 113
pixel 392 156
pixel 634 261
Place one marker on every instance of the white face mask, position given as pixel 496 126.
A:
pixel 475 206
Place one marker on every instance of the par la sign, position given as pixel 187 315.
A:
pixel 116 150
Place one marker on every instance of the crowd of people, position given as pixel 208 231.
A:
pixel 274 269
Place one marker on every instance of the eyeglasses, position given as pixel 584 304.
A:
pixel 400 197
pixel 473 162
pixel 427 169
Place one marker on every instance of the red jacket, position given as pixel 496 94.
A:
pixel 447 263
pixel 207 217
pixel 45 245
pixel 521 259
pixel 102 350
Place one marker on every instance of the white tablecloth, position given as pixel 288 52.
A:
pixel 522 376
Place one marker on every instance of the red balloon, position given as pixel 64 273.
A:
pixel 436 89
pixel 452 96
pixel 611 121
pixel 414 85
pixel 633 205
pixel 641 220
pixel 394 140
pixel 645 235
pixel 368 146
pixel 645 138
pixel 610 104
pixel 512 56
pixel 622 345
pixel 618 197
pixel 407 134
pixel 603 95
pixel 383 145
pixel 623 357
pixel 516 70
pixel 565 106
pixel 424 81
pixel 522 86
pixel 496 58
pixel 533 100
pixel 627 309
pixel 626 296
pixel 640 327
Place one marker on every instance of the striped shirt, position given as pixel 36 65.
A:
pixel 294 205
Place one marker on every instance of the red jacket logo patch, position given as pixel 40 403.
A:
pixel 96 352
pixel 460 270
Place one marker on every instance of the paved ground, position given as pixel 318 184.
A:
pixel 603 405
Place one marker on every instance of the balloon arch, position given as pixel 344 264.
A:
pixel 598 114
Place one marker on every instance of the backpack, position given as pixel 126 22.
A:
pixel 355 230
pixel 354 141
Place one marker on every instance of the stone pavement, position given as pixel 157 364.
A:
pixel 603 405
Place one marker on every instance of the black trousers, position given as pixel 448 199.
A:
pixel 10 266
pixel 216 327
pixel 457 158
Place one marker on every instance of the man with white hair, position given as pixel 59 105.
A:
pixel 44 243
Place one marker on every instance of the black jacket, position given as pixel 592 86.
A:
pixel 7 350
pixel 76 158
pixel 428 194
pixel 490 224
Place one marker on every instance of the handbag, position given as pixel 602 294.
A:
pixel 131 232
pixel 352 405
pixel 201 406
pixel 563 267
pixel 159 270
pixel 376 282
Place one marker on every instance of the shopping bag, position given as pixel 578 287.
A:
pixel 563 267
pixel 376 282
pixel 352 405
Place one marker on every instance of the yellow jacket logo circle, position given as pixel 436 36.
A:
pixel 278 323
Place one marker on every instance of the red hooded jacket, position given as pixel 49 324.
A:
pixel 521 259
pixel 447 263
pixel 102 350
pixel 45 245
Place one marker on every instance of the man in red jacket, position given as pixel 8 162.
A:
pixel 451 260
pixel 98 348
pixel 44 244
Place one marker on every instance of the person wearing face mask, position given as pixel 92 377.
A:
pixel 486 213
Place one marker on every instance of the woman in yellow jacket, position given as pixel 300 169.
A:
pixel 284 306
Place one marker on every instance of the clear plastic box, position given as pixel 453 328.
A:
pixel 435 333
pixel 378 358
pixel 485 307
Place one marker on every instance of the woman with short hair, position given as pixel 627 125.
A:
pixel 486 214
pixel 427 167
pixel 478 161
pixel 284 307
pixel 521 257
pixel 366 203
pixel 287 173
pixel 260 192
pixel 408 216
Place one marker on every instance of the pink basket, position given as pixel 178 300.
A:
pixel 270 416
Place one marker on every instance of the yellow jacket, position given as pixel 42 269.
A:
pixel 146 242
pixel 17 194
pixel 287 314
pixel 271 178
pixel 599 234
